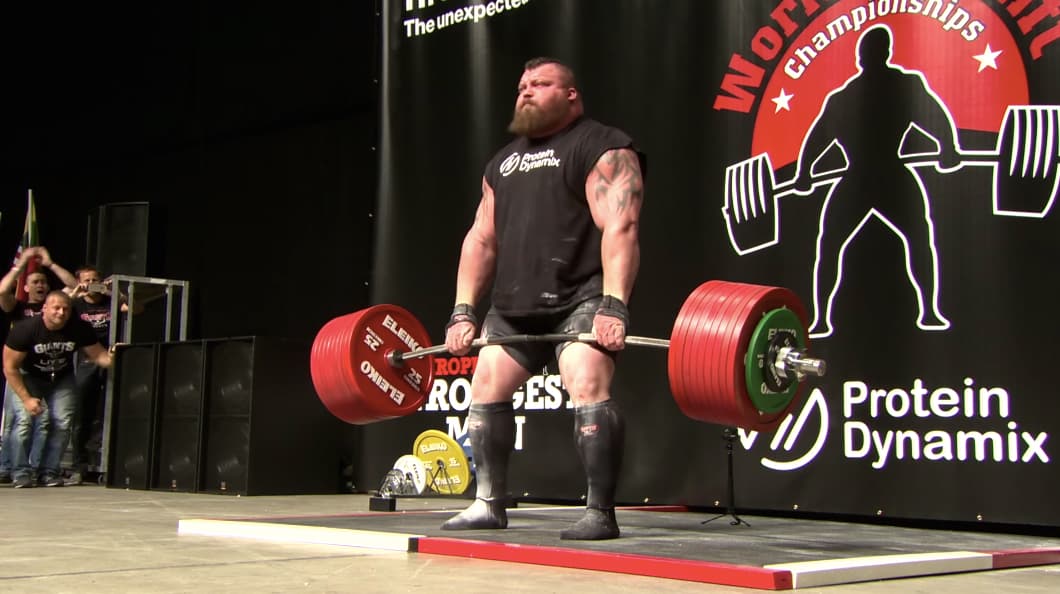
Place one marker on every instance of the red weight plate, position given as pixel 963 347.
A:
pixel 684 361
pixel 720 299
pixel 329 368
pixel 726 397
pixel 708 349
pixel 684 330
pixel 389 391
pixel 691 368
pixel 733 385
pixel 698 362
pixel 680 342
pixel 352 375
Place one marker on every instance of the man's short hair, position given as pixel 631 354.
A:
pixel 539 61
pixel 57 293
pixel 86 268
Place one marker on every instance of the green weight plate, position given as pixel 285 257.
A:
pixel 776 325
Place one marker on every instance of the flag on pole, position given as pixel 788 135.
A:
pixel 29 238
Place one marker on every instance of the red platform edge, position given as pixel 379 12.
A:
pixel 1024 557
pixel 661 567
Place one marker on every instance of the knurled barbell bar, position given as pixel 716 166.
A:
pixel 790 362
pixel 1025 155
pixel 737 356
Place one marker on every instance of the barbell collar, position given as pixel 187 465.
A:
pixel 791 364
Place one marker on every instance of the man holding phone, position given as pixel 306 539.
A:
pixel 92 303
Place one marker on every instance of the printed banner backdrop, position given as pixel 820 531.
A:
pixel 893 162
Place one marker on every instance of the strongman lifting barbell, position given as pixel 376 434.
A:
pixel 1026 153
pixel 737 356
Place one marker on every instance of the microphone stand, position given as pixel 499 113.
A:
pixel 729 435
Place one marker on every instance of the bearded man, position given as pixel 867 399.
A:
pixel 555 243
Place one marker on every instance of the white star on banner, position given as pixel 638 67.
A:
pixel 987 59
pixel 782 101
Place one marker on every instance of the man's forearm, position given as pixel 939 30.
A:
pixel 7 284
pixel 475 271
pixel 64 275
pixel 620 257
pixel 17 385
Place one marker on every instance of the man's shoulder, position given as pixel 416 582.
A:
pixel 77 324
pixel 595 137
pixel 84 305
pixel 25 327
pixel 589 124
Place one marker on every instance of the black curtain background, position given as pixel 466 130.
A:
pixel 250 129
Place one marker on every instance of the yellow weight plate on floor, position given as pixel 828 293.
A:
pixel 445 462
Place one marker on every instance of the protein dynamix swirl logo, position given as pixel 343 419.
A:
pixel 509 164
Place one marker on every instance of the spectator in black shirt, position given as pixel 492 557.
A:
pixel 26 304
pixel 92 303
pixel 39 368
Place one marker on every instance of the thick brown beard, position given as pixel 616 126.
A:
pixel 534 120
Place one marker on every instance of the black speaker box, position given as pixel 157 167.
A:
pixel 234 415
pixel 118 238
pixel 132 417
pixel 179 416
pixel 266 431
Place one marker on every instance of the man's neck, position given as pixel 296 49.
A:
pixel 557 128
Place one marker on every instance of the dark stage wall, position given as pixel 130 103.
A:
pixel 250 131
pixel 929 290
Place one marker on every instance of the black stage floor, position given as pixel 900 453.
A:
pixel 766 552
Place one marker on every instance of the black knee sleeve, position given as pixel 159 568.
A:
pixel 599 435
pixel 492 431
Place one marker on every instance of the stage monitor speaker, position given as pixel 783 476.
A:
pixel 179 416
pixel 265 431
pixel 118 238
pixel 132 417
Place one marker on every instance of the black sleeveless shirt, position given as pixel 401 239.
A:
pixel 548 247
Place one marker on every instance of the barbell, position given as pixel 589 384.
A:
pixel 1026 178
pixel 737 356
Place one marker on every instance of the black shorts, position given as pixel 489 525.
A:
pixel 535 356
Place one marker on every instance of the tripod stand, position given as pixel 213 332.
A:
pixel 440 476
pixel 729 435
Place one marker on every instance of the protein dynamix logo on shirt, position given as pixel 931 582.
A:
pixel 529 162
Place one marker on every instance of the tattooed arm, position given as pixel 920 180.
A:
pixel 615 190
